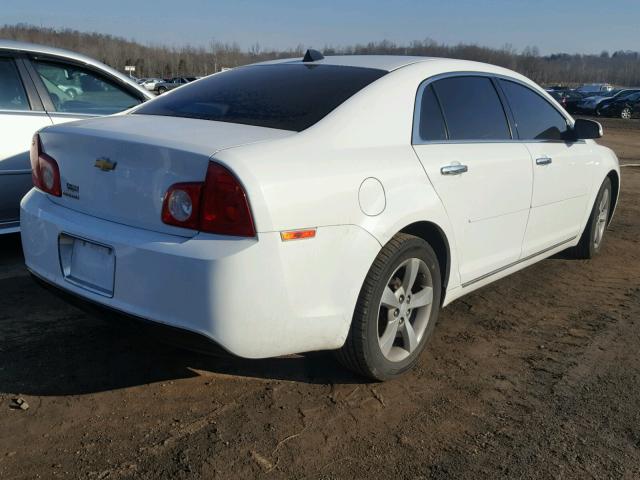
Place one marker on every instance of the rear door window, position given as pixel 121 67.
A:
pixel 431 122
pixel 12 93
pixel 77 90
pixel 472 108
pixel 535 117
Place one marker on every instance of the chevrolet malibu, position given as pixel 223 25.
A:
pixel 316 204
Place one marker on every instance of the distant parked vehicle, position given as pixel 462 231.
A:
pixel 595 88
pixel 73 91
pixel 173 83
pixel 588 105
pixel 625 107
pixel 151 84
pixel 622 94
pixel 555 88
pixel 41 86
pixel 570 98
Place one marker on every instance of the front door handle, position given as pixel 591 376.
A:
pixel 543 161
pixel 453 169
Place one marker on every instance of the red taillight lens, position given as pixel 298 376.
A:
pixel 225 208
pixel 219 205
pixel 44 169
pixel 181 205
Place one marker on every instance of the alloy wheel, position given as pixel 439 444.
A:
pixel 405 309
pixel 601 219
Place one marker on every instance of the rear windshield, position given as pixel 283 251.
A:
pixel 283 96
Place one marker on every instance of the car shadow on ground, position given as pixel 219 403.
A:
pixel 50 348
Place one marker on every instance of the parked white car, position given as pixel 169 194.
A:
pixel 329 203
pixel 42 86
pixel 151 83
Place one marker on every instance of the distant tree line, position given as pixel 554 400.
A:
pixel 619 68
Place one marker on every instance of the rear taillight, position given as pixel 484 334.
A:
pixel 181 205
pixel 219 205
pixel 44 169
pixel 225 208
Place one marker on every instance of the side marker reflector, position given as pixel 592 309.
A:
pixel 297 234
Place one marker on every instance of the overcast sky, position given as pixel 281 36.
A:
pixel 584 26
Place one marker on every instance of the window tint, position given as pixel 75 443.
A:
pixel 535 118
pixel 12 93
pixel 432 125
pixel 76 90
pixel 472 109
pixel 285 96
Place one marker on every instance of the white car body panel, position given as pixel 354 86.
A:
pixel 480 202
pixel 280 308
pixel 147 163
pixel 560 193
pixel 262 297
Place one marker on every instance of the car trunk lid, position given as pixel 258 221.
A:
pixel 119 168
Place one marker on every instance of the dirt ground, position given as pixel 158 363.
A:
pixel 535 376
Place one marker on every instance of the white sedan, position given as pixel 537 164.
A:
pixel 318 204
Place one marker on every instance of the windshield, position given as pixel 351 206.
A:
pixel 290 96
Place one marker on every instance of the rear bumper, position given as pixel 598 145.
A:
pixel 164 333
pixel 255 298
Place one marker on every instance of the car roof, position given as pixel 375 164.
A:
pixel 380 62
pixel 16 46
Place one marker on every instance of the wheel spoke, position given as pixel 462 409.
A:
pixel 409 337
pixel 389 336
pixel 410 274
pixel 422 298
pixel 603 203
pixel 389 298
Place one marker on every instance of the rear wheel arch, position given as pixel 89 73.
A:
pixel 434 236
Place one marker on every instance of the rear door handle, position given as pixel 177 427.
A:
pixel 543 161
pixel 453 169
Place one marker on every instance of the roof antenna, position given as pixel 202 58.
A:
pixel 312 56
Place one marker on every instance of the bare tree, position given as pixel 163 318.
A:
pixel 620 67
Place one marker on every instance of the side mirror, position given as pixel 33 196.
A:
pixel 584 129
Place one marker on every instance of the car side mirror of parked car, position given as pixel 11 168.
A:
pixel 584 129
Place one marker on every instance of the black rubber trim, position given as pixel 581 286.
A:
pixel 159 331
pixel 32 93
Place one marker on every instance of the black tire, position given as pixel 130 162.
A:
pixel 588 247
pixel 361 352
pixel 625 113
pixel 161 90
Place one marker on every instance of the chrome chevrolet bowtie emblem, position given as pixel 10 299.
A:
pixel 104 164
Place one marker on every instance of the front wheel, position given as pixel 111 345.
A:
pixel 625 113
pixel 396 310
pixel 593 235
